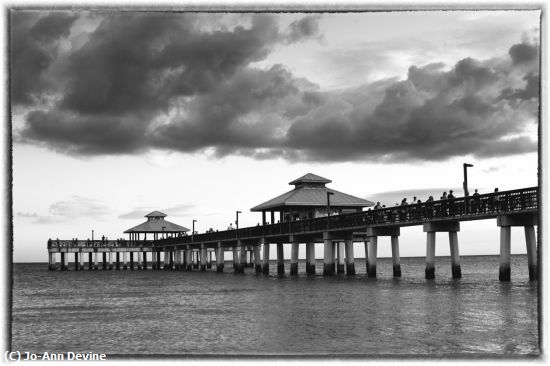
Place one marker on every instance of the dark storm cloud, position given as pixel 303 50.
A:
pixel 32 50
pixel 140 212
pixel 140 81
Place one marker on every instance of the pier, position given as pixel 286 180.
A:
pixel 337 233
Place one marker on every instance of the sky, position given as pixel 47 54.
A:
pixel 116 114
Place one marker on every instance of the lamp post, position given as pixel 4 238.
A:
pixel 193 231
pixel 328 208
pixel 237 223
pixel 465 183
pixel 92 235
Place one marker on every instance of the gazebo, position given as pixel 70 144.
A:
pixel 156 225
pixel 310 199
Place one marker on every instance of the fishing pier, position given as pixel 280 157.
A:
pixel 310 214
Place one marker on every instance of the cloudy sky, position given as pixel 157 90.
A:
pixel 116 114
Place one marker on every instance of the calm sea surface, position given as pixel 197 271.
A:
pixel 182 313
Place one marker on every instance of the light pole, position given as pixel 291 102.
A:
pixel 237 222
pixel 465 183
pixel 193 232
pixel 328 208
pixel 92 235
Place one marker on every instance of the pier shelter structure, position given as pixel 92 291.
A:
pixel 309 199
pixel 159 228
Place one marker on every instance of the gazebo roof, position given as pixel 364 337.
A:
pixel 157 224
pixel 312 196
pixel 156 214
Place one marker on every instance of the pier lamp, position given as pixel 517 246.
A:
pixel 92 235
pixel 328 208
pixel 193 232
pixel 237 222
pixel 465 183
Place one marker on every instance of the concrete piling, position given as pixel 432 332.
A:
pixel 367 255
pixel 209 260
pixel 504 262
pixel 242 256
pixel 90 261
pixel 203 257
pixel 220 258
pixel 310 258
pixel 430 256
pixel 139 260
pixel 341 256
pixel 76 261
pixel 131 261
pixel 265 262
pixel 124 260
pixel 104 255
pixel 350 261
pixel 144 261
pixel 531 242
pixel 455 256
pixel 280 259
pixel 64 261
pixel 235 259
pixel 189 259
pixel 257 259
pixel 110 261
pixel 328 261
pixel 196 264
pixel 96 266
pixel 117 261
pixel 294 258
pixel 395 256
pixel 373 254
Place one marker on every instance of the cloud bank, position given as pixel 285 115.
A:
pixel 187 82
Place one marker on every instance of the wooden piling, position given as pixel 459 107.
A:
pixel 455 256
pixel 131 261
pixel 350 260
pixel 96 266
pixel 430 255
pixel 265 262
pixel 373 253
pixel 395 256
pixel 504 266
pixel 280 259
pixel 531 242
pixel 144 261
pixel 90 261
pixel 294 258
pixel 328 260
pixel 117 261
pixel 110 261
pixel 76 261
pixel 367 255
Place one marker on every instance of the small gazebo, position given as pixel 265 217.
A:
pixel 156 225
pixel 310 199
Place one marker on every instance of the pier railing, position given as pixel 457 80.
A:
pixel 119 243
pixel 461 209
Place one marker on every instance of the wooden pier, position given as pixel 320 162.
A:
pixel 337 233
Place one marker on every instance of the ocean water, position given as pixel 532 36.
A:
pixel 198 313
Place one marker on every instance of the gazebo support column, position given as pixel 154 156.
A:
pixel 328 265
pixel 310 258
pixel 340 267
pixel 280 259
pixel 294 258
pixel 350 261
pixel 257 259
pixel 265 263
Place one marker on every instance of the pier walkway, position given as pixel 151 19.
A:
pixel 338 233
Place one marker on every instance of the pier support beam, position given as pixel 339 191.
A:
pixel 64 261
pixel 395 256
pixel 209 260
pixel 242 256
pixel 504 261
pixel 140 260
pixel 294 258
pixel 81 265
pixel 96 266
pixel 51 261
pixel 367 255
pixel 189 259
pixel 104 261
pixel 328 261
pixel 265 263
pixel 124 260
pixel 110 261
pixel 257 259
pixel 280 259
pixel 117 261
pixel 350 260
pixel 455 256
pixel 76 261
pixel 340 250
pixel 203 257
pixel 220 258
pixel 90 261
pixel 144 261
